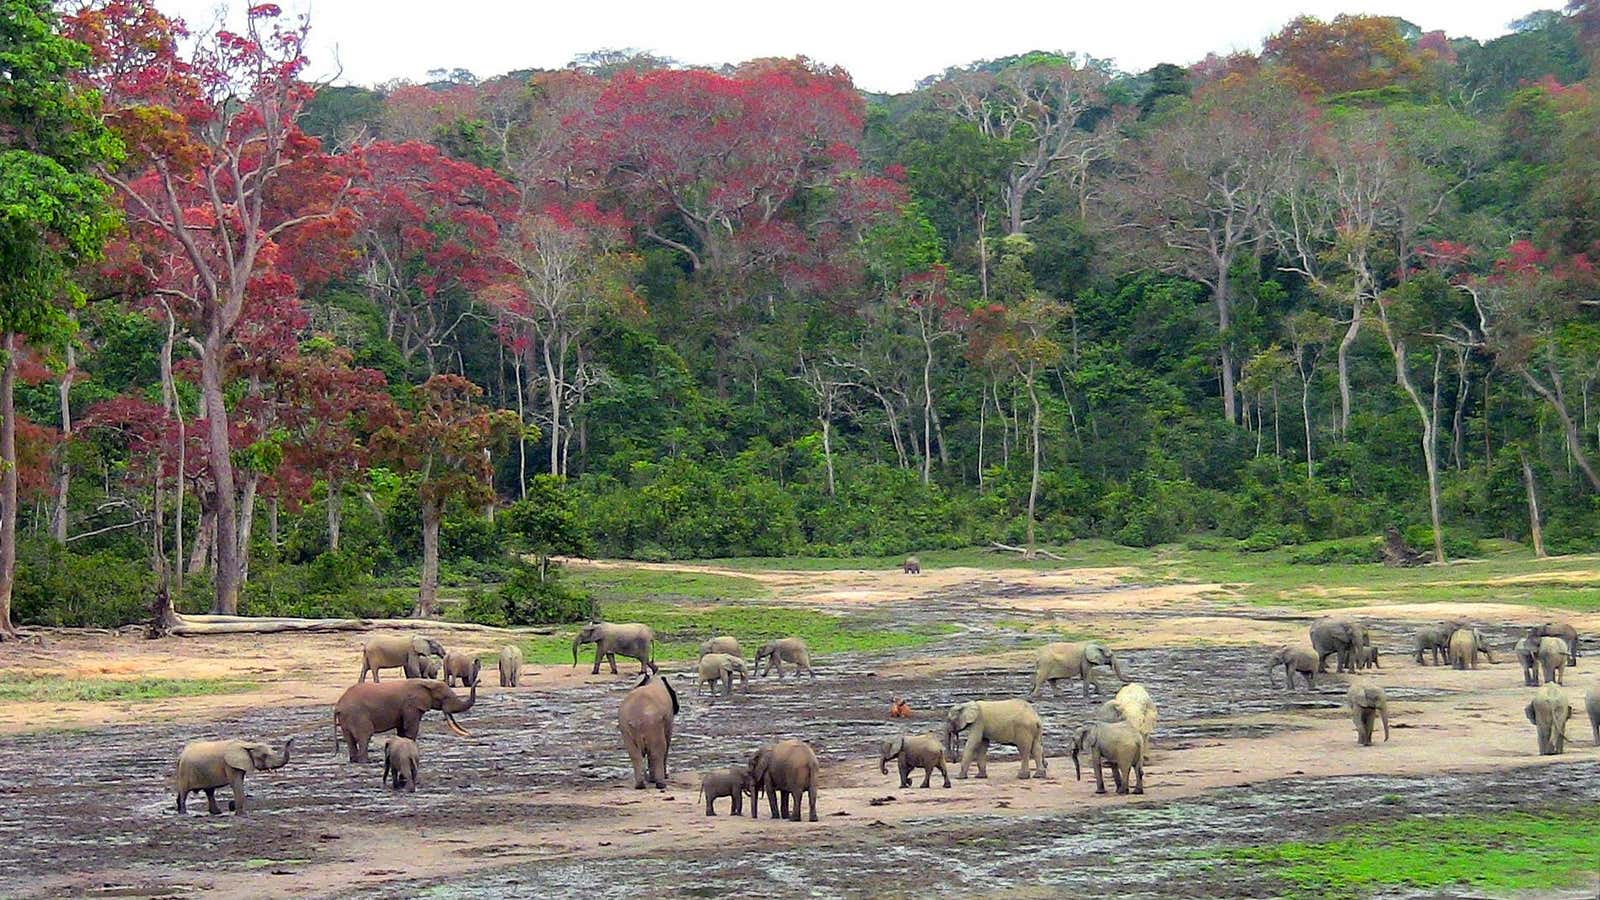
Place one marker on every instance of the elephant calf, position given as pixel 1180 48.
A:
pixel 1292 659
pixel 510 665
pixel 723 643
pixel 1436 638
pixel 917 751
pixel 1552 656
pixel 788 650
pixel 1465 645
pixel 463 667
pixel 400 760
pixel 734 782
pixel 717 668
pixel 1527 651
pixel 1365 657
pixel 1549 711
pixel 1367 704
pixel 1116 744
pixel 208 765
pixel 912 566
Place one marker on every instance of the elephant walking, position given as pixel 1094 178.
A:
pixel 1552 656
pixel 611 639
pixel 1072 659
pixel 1115 744
pixel 786 770
pixel 1549 711
pixel 1293 660
pixel 397 651
pixel 1465 645
pixel 510 665
pixel 915 751
pixel 1339 637
pixel 645 719
pixel 1367 704
pixel 787 650
pixel 401 759
pixel 208 765
pixel 1591 701
pixel 1013 722
pixel 367 709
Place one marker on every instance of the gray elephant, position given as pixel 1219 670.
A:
pixel 1116 744
pixel 1337 636
pixel 1549 711
pixel 429 667
pixel 645 719
pixel 367 709
pixel 734 782
pixel 1465 645
pixel 721 667
pixel 510 665
pixel 725 643
pixel 397 651
pixel 208 765
pixel 787 770
pixel 786 650
pixel 986 722
pixel 1073 659
pixel 611 640
pixel 1566 633
pixel 1527 651
pixel 912 566
pixel 1367 704
pixel 1436 638
pixel 1365 657
pixel 1552 656
pixel 914 751
pixel 462 667
pixel 1292 659
pixel 401 759
pixel 1591 701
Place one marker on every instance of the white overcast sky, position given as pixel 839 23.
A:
pixel 886 46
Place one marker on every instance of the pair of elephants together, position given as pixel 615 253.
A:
pixel 424 657
pixel 721 658
pixel 637 641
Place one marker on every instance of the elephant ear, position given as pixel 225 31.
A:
pixel 242 756
pixel 419 645
pixel 671 693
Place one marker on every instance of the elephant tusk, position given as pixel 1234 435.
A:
pixel 451 722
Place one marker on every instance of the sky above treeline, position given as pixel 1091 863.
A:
pixel 886 46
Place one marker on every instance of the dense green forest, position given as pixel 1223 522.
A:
pixel 342 340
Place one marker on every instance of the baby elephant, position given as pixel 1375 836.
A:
pixel 916 751
pixel 734 781
pixel 912 566
pixel 1551 653
pixel 1465 645
pixel 428 667
pixel 400 758
pixel 1116 744
pixel 1367 705
pixel 208 765
pixel 463 666
pixel 1436 638
pixel 718 668
pixel 1293 659
pixel 510 665
pixel 1365 657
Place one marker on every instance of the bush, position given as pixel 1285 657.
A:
pixel 60 588
pixel 1456 545
pixel 1347 550
pixel 1272 537
pixel 524 600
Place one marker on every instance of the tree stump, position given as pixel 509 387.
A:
pixel 1396 552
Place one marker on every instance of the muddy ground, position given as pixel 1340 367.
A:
pixel 538 801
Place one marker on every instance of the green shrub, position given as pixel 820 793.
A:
pixel 1345 550
pixel 60 588
pixel 530 601
pixel 1456 544
pixel 485 607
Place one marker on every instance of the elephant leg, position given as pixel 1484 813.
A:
pixel 783 805
pixel 812 790
pixel 1138 771
pixel 597 656
pixel 363 678
pixel 637 758
pixel 772 801
pixel 983 759
pixel 411 783
pixel 1121 774
pixel 905 772
pixel 778 661
pixel 1054 688
pixel 738 803
pixel 813 678
pixel 927 776
pixel 658 767
pixel 611 660
pixel 1322 662
pixel 183 800
pixel 1099 773
pixel 392 776
pixel 946 772
pixel 1025 750
pixel 211 802
pixel 236 782
pixel 410 725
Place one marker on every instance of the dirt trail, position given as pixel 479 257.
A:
pixel 542 782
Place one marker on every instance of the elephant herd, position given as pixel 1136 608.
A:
pixel 1545 652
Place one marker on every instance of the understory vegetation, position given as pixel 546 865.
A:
pixel 21 687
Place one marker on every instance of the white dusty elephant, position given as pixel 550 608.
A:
pixel 645 719
pixel 986 722
pixel 1549 711
pixel 1367 704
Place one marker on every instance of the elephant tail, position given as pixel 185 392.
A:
pixel 337 733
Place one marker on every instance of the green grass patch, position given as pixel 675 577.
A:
pixel 633 584
pixel 1501 853
pixel 37 688
pixel 1089 552
pixel 680 629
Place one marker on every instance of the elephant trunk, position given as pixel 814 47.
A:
pixel 1077 768
pixel 281 759
pixel 1116 668
pixel 1383 713
pixel 883 764
pixel 454 704
pixel 576 643
pixel 1272 673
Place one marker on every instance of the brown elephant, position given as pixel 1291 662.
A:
pixel 611 639
pixel 1465 645
pixel 1436 638
pixel 986 722
pixel 724 643
pixel 718 668
pixel 429 667
pixel 1337 636
pixel 1293 660
pixel 645 719
pixel 1566 633
pixel 462 667
pixel 1118 745
pixel 1367 704
pixel 1591 702
pixel 912 566
pixel 786 769
pixel 1552 656
pixel 1527 651
pixel 397 651
pixel 914 751
pixel 733 782
pixel 401 759
pixel 790 650
pixel 510 665
pixel 208 765
pixel 367 709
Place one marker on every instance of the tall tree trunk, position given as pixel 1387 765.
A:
pixel 522 432
pixel 1568 427
pixel 428 591
pixel 226 577
pixel 983 409
pixel 335 512
pixel 247 521
pixel 8 484
pixel 1305 414
pixel 1456 436
pixel 1277 433
pixel 1224 303
pixel 1033 484
pixel 1430 455
pixel 983 251
pixel 1345 343
pixel 58 515
pixel 205 531
pixel 1534 526
pixel 827 449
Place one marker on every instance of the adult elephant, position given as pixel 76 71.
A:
pixel 1566 633
pixel 986 722
pixel 785 769
pixel 1337 636
pixel 1549 711
pixel 611 639
pixel 785 650
pixel 397 651
pixel 645 719
pixel 208 765
pixel 1072 659
pixel 367 709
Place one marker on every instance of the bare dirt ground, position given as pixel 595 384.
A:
pixel 538 801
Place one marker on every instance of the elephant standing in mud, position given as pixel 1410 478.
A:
pixel 725 643
pixel 1565 632
pixel 645 719
pixel 1527 651
pixel 1551 654
pixel 463 667
pixel 401 759
pixel 786 770
pixel 718 668
pixel 912 566
pixel 1292 659
pixel 914 751
pixel 1367 705
pixel 397 651
pixel 1074 659
pixel 1549 711
pixel 1465 645
pixel 1435 638
pixel 986 722
pixel 1117 744
pixel 367 709
pixel 611 639
pixel 1591 702
pixel 1134 705
pixel 510 665
pixel 787 650
pixel 733 782
pixel 1338 636
pixel 208 765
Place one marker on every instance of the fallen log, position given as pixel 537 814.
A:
pixel 198 625
pixel 997 547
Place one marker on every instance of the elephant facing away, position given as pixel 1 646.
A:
pixel 787 650
pixel 1072 659
pixel 986 722
pixel 914 751
pixel 1566 633
pixel 718 668
pixel 1435 638
pixel 401 759
pixel 1549 711
pixel 1337 636
pixel 725 643
pixel 510 665
pixel 1591 701
pixel 645 719
pixel 208 765
pixel 786 770
pixel 1367 704
pixel 367 709
pixel 1465 645
pixel 611 640
pixel 397 651
pixel 1552 656
pixel 1134 705
pixel 1293 660
pixel 1117 744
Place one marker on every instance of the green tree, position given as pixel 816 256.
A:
pixel 546 520
pixel 54 215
